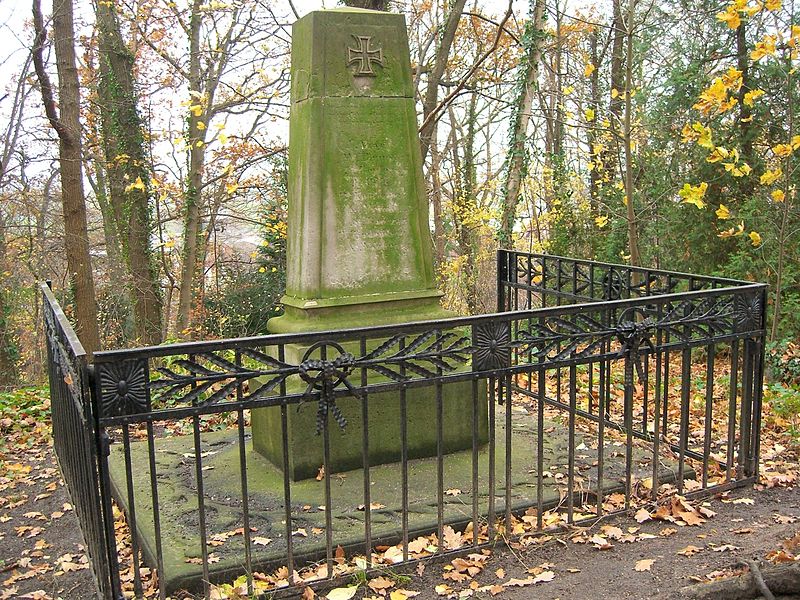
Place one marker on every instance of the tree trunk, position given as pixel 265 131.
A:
pixel 128 176
pixel 435 76
pixel 194 184
pixel 633 226
pixel 517 163
pixel 68 128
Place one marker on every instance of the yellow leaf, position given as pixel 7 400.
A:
pixel 782 150
pixel 795 141
pixel 765 47
pixel 589 114
pixel 769 177
pixel 730 17
pixel 201 126
pixel 196 109
pixel 588 70
pixel 136 185
pixel 719 153
pixel 199 144
pixel 755 238
pixel 750 96
pixel 614 92
pixel 772 4
pixel 601 221
pixel 778 195
pixel 732 232
pixel 694 194
pixel 723 212
pixel 223 139
pixel 231 188
pixel 568 90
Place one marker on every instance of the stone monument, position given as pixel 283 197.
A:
pixel 359 247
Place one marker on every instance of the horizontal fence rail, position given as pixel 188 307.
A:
pixel 294 458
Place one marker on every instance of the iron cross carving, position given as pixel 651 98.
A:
pixel 364 56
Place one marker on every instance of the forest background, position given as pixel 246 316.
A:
pixel 143 155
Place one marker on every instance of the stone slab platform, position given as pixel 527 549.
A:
pixel 177 487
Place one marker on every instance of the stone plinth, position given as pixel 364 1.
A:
pixel 359 246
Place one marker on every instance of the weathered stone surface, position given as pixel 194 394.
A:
pixel 358 236
pixel 359 247
pixel 176 474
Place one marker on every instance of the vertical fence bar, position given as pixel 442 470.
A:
pixel 439 448
pixel 573 383
pixel 287 487
pixel 747 403
pixel 365 457
pixel 126 447
pixel 248 559
pixel 628 421
pixel 542 392
pixel 508 453
pixel 733 395
pixel 151 457
pixel 492 444
pixel 686 373
pixel 709 414
pixel 404 451
pixel 326 461
pixel 475 525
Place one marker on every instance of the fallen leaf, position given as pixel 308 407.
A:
pixel 380 583
pixel 500 573
pixel 261 541
pixel 544 576
pixel 642 515
pixel 689 550
pixel 308 594
pixel 644 564
pixel 342 593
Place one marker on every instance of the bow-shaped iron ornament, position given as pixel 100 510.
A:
pixel 631 335
pixel 324 375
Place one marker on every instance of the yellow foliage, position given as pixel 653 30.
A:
pixel 693 194
pixel 772 4
pixel 601 221
pixel 755 238
pixel 769 177
pixel 750 96
pixel 588 70
pixel 730 17
pixel 778 195
pixel 782 150
pixel 196 110
pixel 723 212
pixel 719 153
pixel 732 232
pixel 136 185
pixel 589 114
pixel 765 47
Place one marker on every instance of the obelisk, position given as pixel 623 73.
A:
pixel 358 244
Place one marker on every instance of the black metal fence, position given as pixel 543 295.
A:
pixel 596 387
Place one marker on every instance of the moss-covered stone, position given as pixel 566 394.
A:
pixel 358 249
pixel 222 482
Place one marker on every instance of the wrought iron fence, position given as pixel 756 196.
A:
pixel 79 443
pixel 596 386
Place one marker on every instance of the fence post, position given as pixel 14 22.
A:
pixel 502 277
pixel 103 445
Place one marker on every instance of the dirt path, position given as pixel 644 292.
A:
pixel 584 572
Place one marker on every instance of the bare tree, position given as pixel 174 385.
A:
pixel 67 126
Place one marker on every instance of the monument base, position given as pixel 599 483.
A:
pixel 385 435
pixel 384 408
